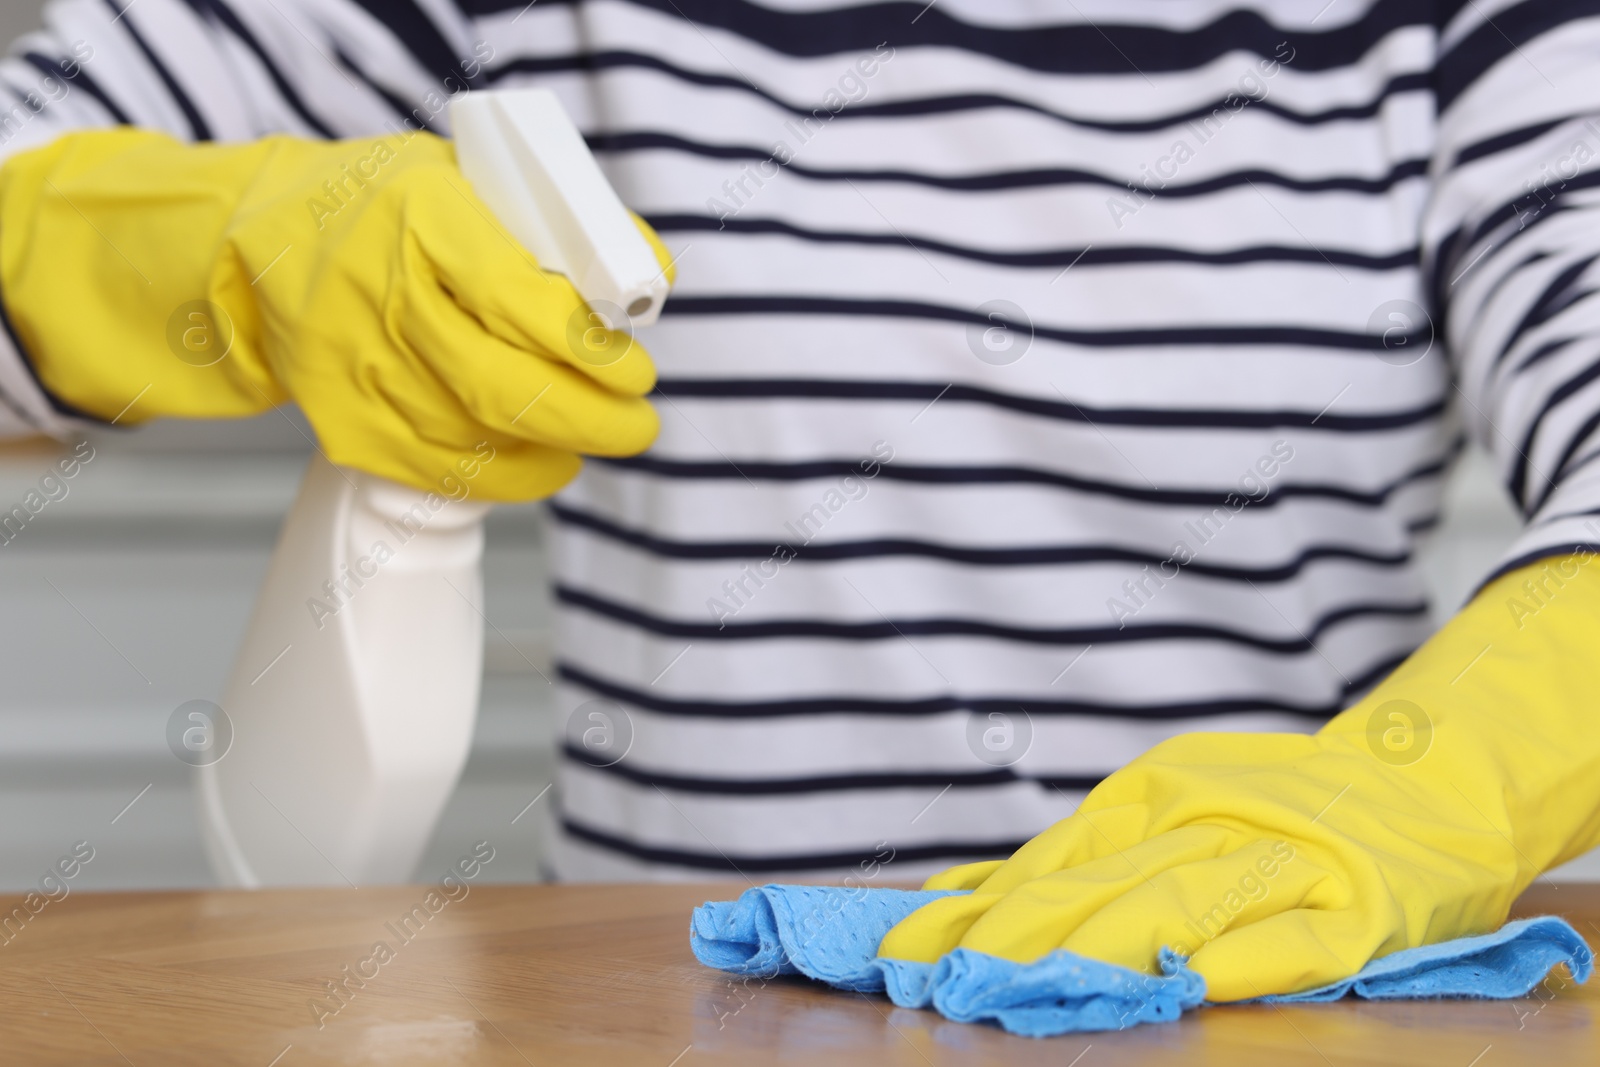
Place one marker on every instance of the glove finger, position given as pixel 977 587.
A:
pixel 1039 916
pixel 491 468
pixel 941 923
pixel 963 875
pixel 458 244
pixel 1075 840
pixel 1180 782
pixel 935 928
pixel 519 394
pixel 1187 906
pixel 1298 950
pixel 525 470
pixel 1029 920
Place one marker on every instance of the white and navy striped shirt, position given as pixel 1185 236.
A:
pixel 1042 379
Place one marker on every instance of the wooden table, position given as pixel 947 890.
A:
pixel 603 975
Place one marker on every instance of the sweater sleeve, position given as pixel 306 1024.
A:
pixel 1511 238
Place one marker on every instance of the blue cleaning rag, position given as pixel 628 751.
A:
pixel 831 933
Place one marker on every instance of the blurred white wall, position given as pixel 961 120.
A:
pixel 18 17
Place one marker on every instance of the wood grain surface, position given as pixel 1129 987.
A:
pixel 596 975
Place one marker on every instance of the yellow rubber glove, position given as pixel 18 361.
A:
pixel 1281 862
pixel 363 279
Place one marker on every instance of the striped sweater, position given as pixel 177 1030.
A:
pixel 1041 380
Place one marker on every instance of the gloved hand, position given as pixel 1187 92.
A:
pixel 1280 863
pixel 363 279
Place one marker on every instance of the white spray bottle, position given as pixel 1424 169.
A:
pixel 352 700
